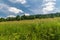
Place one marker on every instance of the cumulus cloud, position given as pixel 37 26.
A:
pixel 11 16
pixel 48 6
pixel 9 10
pixel 49 0
pixel 49 3
pixel 18 1
pixel 4 8
pixel 27 14
pixel 15 10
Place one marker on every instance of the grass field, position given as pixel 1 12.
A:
pixel 37 29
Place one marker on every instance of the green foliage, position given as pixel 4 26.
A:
pixel 10 19
pixel 23 17
pixel 17 17
pixel 28 17
pixel 2 19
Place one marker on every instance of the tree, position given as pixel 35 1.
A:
pixel 10 19
pixel 2 19
pixel 17 17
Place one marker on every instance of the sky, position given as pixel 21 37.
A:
pixel 18 7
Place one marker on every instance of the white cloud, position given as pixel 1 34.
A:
pixel 18 1
pixel 49 3
pixel 26 14
pixel 48 6
pixel 1 7
pixel 15 10
pixel 9 10
pixel 4 8
pixel 11 16
pixel 49 0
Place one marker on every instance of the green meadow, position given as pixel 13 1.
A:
pixel 37 29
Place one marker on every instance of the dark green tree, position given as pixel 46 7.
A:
pixel 10 19
pixel 2 19
pixel 18 17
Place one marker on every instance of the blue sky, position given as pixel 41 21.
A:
pixel 18 7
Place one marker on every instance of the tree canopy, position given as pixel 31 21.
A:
pixel 23 17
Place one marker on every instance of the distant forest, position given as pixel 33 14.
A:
pixel 38 16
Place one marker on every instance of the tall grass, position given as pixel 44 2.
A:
pixel 38 29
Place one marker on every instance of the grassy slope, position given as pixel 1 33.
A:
pixel 38 29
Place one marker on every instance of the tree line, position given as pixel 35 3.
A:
pixel 39 16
